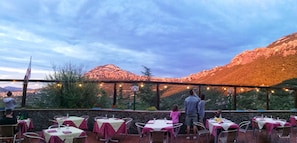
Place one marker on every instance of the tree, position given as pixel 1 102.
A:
pixel 146 93
pixel 72 89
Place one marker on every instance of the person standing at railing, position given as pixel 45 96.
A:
pixel 9 101
pixel 191 110
pixel 174 114
pixel 201 108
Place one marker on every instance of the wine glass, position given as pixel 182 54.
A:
pixel 60 122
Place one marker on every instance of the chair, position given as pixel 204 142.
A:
pixel 99 117
pixel 139 127
pixel 81 139
pixel 158 136
pixel 201 130
pixel 243 127
pixel 55 126
pixel 8 132
pixel 284 132
pixel 176 128
pixel 32 137
pixel 228 136
pixel 128 122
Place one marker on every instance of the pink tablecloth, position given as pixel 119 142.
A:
pixel 105 127
pixel 293 120
pixel 66 133
pixel 268 123
pixel 158 125
pixel 73 121
pixel 214 126
pixel 25 124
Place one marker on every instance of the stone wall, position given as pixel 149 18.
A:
pixel 41 117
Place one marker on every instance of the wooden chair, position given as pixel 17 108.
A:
pixel 229 136
pixel 8 133
pixel 81 139
pixel 32 137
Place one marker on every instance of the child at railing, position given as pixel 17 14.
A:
pixel 174 114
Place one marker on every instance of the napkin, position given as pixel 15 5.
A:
pixel 150 122
pixel 67 132
pixel 52 131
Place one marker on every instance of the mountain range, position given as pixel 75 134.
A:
pixel 267 66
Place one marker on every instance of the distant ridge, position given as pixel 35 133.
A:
pixel 262 66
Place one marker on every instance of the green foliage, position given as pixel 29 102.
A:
pixel 146 93
pixel 72 91
pixel 152 108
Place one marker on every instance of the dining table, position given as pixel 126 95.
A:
pixel 62 134
pixel 108 128
pixel 216 125
pixel 268 123
pixel 25 125
pixel 75 121
pixel 159 125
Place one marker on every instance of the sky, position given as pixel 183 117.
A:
pixel 172 38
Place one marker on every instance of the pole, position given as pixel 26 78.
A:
pixel 134 100
pixel 24 94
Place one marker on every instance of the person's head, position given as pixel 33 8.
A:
pixel 8 112
pixel 9 93
pixel 191 92
pixel 174 107
pixel 202 96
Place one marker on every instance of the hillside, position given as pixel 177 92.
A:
pixel 262 66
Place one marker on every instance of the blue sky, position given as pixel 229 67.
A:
pixel 172 38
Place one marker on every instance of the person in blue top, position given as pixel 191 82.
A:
pixel 191 110
pixel 201 108
pixel 9 101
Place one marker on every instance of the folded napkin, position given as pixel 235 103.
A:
pixel 67 132
pixel 150 122
pixel 52 131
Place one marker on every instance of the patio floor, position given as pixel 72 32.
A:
pixel 133 138
pixel 262 138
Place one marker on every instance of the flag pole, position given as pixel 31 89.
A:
pixel 25 85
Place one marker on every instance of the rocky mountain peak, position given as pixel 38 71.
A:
pixel 285 46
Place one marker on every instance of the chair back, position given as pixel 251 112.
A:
pixel 55 126
pixel 139 126
pixel 8 130
pixel 32 137
pixel 200 125
pixel 128 122
pixel 244 125
pixel 176 128
pixel 81 139
pixel 286 131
